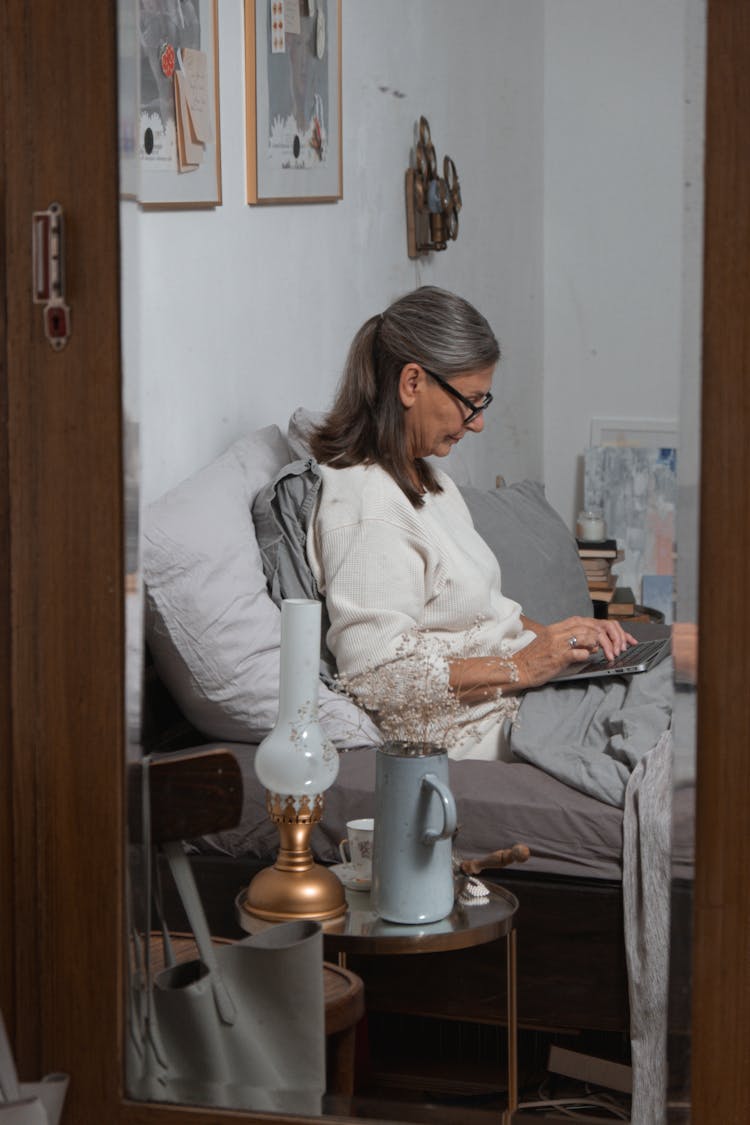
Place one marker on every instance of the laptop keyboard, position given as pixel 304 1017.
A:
pixel 635 654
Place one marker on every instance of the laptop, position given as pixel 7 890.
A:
pixel 637 658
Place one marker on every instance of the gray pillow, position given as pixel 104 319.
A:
pixel 298 431
pixel 212 628
pixel 537 553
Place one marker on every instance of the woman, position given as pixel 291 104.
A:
pixel 407 580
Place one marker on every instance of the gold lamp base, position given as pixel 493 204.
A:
pixel 295 887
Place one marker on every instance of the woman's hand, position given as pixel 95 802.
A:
pixel 572 641
pixel 478 678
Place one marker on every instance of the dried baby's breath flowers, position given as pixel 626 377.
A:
pixel 410 698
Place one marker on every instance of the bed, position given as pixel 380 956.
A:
pixel 213 632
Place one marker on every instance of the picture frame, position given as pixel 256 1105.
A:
pixel 293 101
pixel 651 433
pixel 178 122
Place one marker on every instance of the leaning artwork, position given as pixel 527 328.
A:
pixel 636 489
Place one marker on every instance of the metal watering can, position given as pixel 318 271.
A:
pixel 415 821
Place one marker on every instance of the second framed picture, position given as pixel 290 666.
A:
pixel 293 100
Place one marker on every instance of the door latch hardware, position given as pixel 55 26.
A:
pixel 48 273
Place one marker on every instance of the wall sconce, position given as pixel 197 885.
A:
pixel 432 201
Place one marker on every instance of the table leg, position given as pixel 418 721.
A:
pixel 344 1010
pixel 341 1049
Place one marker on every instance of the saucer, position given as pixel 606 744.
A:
pixel 353 882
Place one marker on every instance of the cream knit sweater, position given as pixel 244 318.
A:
pixel 386 569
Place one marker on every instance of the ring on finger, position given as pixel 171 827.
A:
pixel 572 641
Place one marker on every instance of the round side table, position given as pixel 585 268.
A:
pixel 361 931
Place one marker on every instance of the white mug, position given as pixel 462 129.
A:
pixel 356 847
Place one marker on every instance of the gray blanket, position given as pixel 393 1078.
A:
pixel 592 734
pixel 646 879
pixel 611 739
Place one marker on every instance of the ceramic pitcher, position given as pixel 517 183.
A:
pixel 415 820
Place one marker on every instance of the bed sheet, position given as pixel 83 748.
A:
pixel 499 804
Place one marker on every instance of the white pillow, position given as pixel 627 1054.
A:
pixel 213 631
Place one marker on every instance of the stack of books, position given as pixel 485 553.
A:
pixel 597 560
pixel 622 602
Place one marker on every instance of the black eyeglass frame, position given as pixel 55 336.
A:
pixel 474 409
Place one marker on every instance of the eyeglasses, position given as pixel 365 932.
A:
pixel 474 408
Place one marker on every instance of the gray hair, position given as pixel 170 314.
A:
pixel 436 329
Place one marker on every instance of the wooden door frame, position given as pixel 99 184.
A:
pixel 61 578
pixel 721 968
pixel 62 572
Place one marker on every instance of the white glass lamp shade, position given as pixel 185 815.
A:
pixel 296 759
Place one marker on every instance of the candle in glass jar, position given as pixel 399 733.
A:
pixel 590 526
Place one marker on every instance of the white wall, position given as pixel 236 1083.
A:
pixel 247 312
pixel 566 122
pixel 614 120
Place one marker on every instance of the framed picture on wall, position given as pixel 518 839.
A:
pixel 293 100
pixel 178 142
